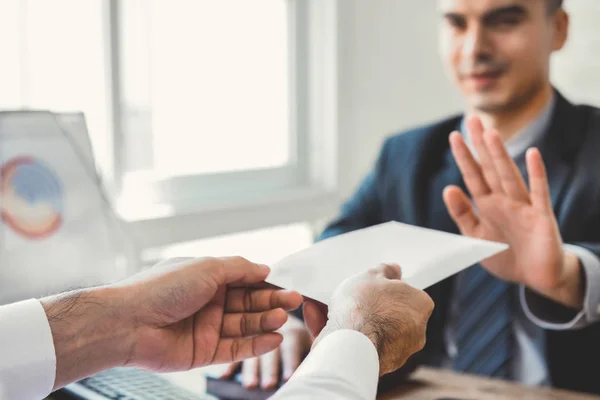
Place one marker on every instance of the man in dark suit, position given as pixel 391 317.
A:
pixel 529 314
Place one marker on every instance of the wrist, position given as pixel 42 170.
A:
pixel 357 326
pixel 569 289
pixel 374 336
pixel 89 332
pixel 571 292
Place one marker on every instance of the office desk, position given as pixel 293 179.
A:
pixel 433 384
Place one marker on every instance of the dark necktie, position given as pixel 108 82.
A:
pixel 483 327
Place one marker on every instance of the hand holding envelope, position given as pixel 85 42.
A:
pixel 376 303
pixel 426 257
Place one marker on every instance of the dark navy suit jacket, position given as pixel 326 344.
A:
pixel 398 189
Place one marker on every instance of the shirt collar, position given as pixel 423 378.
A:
pixel 519 143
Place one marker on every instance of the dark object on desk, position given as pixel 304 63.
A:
pixel 393 380
pixel 127 384
pixel 233 390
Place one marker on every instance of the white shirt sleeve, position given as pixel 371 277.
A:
pixel 344 365
pixel 591 305
pixel 28 359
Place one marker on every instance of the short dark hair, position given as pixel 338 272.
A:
pixel 554 5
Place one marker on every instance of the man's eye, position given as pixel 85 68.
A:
pixel 506 21
pixel 457 23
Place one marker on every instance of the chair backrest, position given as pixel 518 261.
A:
pixel 57 227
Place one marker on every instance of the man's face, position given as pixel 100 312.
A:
pixel 498 51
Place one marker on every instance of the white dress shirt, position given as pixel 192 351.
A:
pixel 344 365
pixel 27 357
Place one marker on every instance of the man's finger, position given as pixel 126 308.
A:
pixel 250 300
pixel 250 373
pixel 388 271
pixel 291 355
pixel 508 172
pixel 238 270
pixel 250 324
pixel 231 370
pixel 476 130
pixel 538 182
pixel 231 350
pixel 315 317
pixel 461 210
pixel 269 369
pixel 469 167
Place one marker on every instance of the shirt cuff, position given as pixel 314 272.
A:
pixel 549 315
pixel 28 362
pixel 348 355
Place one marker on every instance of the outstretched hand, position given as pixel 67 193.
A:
pixel 507 211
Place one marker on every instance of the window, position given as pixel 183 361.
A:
pixel 206 117
pixel 206 91
pixel 205 86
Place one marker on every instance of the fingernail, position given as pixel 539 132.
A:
pixel 285 294
pixel 250 383
pixel 293 299
pixel 265 268
pixel 267 383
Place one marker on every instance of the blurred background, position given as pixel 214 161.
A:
pixel 223 127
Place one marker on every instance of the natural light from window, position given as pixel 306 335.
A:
pixel 205 85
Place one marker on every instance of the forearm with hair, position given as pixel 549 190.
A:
pixel 88 331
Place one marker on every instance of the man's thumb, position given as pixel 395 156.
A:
pixel 315 317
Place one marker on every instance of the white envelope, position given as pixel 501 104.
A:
pixel 425 255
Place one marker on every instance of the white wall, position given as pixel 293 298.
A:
pixel 390 77
pixel 576 69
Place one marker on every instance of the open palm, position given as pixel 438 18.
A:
pixel 506 211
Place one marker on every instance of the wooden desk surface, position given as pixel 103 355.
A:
pixel 433 384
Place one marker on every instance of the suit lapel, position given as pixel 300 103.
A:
pixel 449 174
pixel 559 148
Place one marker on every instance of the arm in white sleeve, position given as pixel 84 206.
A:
pixel 552 316
pixel 28 360
pixel 344 365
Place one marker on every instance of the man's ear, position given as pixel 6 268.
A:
pixel 561 28
pixel 315 316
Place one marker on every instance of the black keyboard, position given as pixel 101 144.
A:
pixel 130 384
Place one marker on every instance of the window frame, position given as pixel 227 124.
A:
pixel 222 203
